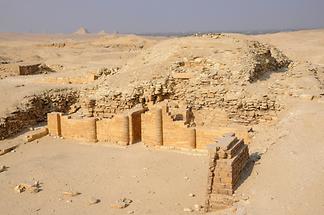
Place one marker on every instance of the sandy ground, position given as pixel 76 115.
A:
pixel 288 179
pixel 153 179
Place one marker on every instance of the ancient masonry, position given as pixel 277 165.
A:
pixel 153 127
pixel 227 159
pixel 33 110
pixel 156 126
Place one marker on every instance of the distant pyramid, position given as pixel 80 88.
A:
pixel 82 30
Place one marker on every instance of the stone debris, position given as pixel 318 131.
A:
pixel 122 203
pixel 93 201
pixel 192 195
pixel 34 188
pixel 198 207
pixel 71 193
pixel 9 149
pixel 33 109
pixel 3 168
pixel 188 210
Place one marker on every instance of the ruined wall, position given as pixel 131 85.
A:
pixel 82 79
pixel 54 123
pixel 31 69
pixel 176 134
pixel 79 129
pixel 152 129
pixel 159 128
pixel 207 136
pixel 114 130
pixel 227 159
pixel 121 129
pixel 34 109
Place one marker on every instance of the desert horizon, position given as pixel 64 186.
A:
pixel 174 122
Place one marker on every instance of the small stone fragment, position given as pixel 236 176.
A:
pixel 192 195
pixel 93 201
pixel 122 203
pixel 197 207
pixel 3 168
pixel 187 210
pixel 35 188
pixel 71 193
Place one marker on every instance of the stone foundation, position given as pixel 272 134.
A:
pixel 227 159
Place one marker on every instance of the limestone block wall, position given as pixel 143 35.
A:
pixel 227 159
pixel 54 123
pixel 122 129
pixel 115 130
pixel 158 128
pixel 152 128
pixel 176 134
pixel 37 134
pixel 79 129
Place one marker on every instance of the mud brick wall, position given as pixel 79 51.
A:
pixel 54 123
pixel 152 128
pixel 115 130
pixel 79 129
pixel 176 134
pixel 227 159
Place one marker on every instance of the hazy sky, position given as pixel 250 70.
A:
pixel 151 16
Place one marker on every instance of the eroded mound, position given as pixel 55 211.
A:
pixel 196 71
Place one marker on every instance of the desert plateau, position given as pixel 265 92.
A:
pixel 207 123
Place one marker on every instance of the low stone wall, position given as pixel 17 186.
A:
pixel 79 129
pixel 33 110
pixel 207 136
pixel 121 129
pixel 114 130
pixel 159 128
pixel 227 159
pixel 176 134
pixel 82 79
pixel 152 130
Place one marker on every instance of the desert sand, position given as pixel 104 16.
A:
pixel 285 138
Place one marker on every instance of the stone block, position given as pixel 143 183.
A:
pixel 37 134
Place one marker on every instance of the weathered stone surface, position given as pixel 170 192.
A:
pixel 227 158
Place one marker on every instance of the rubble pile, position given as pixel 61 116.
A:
pixel 260 58
pixel 34 109
pixel 213 78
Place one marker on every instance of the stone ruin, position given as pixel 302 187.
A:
pixel 157 127
pixel 227 159
pixel 154 126
pixel 33 110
